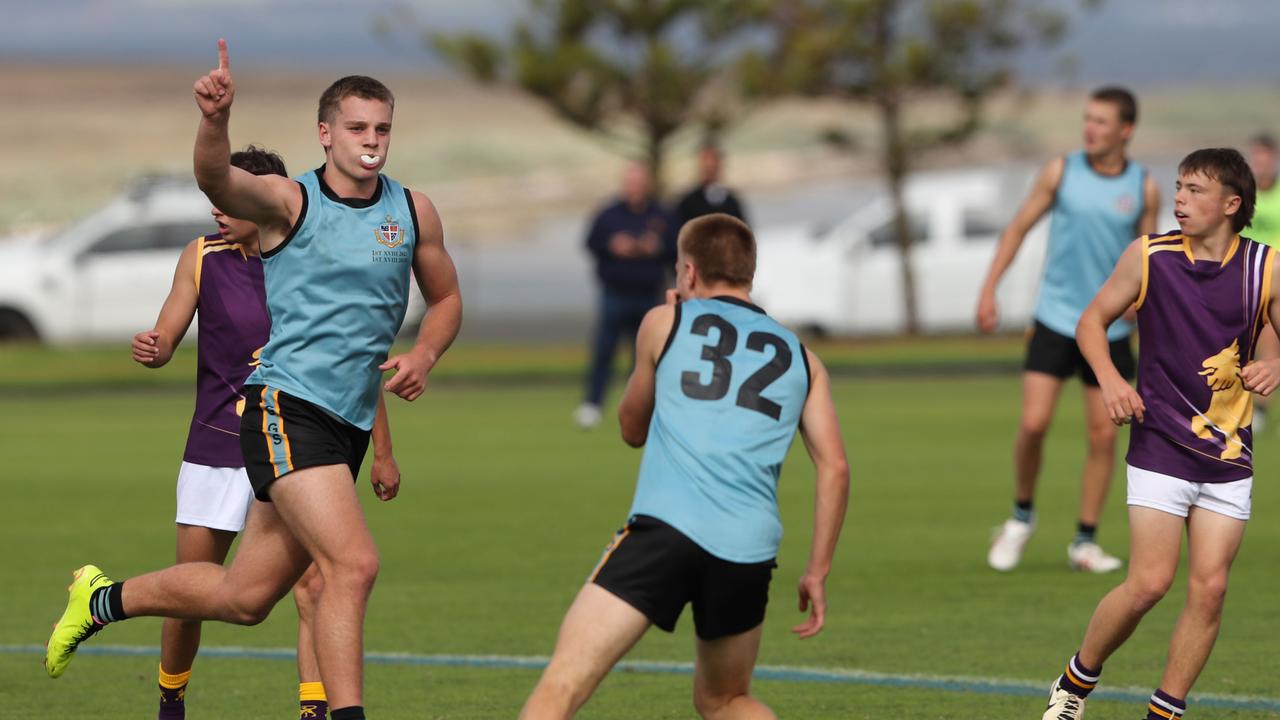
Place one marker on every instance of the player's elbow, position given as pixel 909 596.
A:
pixel 840 471
pixel 837 475
pixel 634 434
pixel 1089 321
pixel 214 190
pixel 833 476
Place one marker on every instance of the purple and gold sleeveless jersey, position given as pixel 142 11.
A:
pixel 234 326
pixel 1198 322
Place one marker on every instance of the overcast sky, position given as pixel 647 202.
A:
pixel 1141 42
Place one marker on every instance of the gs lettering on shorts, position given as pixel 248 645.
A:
pixel 273 431
pixel 390 235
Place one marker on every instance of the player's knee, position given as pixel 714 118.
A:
pixel 357 570
pixel 1102 437
pixel 558 691
pixel 1033 428
pixel 711 704
pixel 1208 592
pixel 307 591
pixel 1148 590
pixel 305 596
pixel 249 611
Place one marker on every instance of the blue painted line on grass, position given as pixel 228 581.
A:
pixel 780 673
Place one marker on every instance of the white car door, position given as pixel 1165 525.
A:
pixel 126 276
pixel 952 271
pixel 876 301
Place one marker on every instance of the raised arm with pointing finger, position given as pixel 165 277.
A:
pixel 270 201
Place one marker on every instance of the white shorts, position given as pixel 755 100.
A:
pixel 1177 496
pixel 213 497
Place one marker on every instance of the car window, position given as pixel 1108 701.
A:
pixel 885 234
pixel 130 239
pixel 177 235
pixel 160 236
pixel 981 224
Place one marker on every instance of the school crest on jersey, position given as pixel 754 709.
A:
pixel 389 233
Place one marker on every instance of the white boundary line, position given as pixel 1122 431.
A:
pixel 782 673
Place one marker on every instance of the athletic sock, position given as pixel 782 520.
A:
pixel 355 712
pixel 1022 511
pixel 106 605
pixel 173 695
pixel 1085 533
pixel 1164 706
pixel 1078 679
pixel 312 701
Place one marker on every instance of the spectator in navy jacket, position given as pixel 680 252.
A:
pixel 710 195
pixel 633 242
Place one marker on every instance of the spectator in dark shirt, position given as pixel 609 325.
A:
pixel 633 242
pixel 710 196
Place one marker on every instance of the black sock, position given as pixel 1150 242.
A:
pixel 106 605
pixel 1022 511
pixel 1085 533
pixel 355 712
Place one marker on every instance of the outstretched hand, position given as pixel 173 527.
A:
pixel 215 91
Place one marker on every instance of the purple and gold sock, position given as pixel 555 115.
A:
pixel 1078 679
pixel 312 701
pixel 173 695
pixel 1164 706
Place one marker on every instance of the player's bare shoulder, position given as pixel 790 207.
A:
pixel 1050 176
pixel 814 365
pixel 430 226
pixel 656 328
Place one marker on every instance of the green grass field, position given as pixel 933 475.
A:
pixel 505 508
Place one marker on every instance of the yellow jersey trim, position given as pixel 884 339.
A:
pixel 199 261
pixel 1146 270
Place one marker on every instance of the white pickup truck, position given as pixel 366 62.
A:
pixel 845 280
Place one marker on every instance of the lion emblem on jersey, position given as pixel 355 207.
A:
pixel 388 233
pixel 1231 407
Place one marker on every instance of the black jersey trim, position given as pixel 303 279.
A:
pixel 808 371
pixel 349 202
pixel 1104 176
pixel 671 336
pixel 413 213
pixel 302 216
pixel 738 301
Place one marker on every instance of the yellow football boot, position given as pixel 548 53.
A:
pixel 77 623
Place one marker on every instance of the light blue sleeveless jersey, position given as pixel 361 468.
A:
pixel 337 289
pixel 1095 217
pixel 731 385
